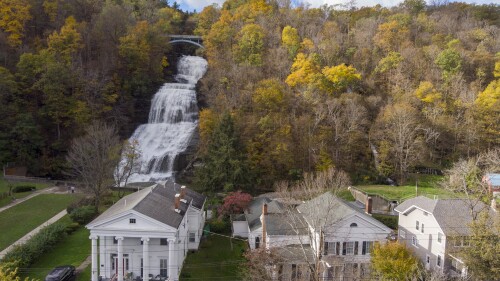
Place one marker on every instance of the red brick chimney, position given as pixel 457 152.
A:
pixel 183 191
pixel 368 205
pixel 177 202
pixel 264 214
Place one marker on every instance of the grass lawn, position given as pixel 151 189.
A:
pixel 21 219
pixel 84 275
pixel 427 186
pixel 4 187
pixel 215 260
pixel 72 250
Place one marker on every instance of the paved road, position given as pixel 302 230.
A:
pixel 33 232
pixel 36 193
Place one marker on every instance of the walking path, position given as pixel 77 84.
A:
pixel 84 265
pixel 36 193
pixel 33 232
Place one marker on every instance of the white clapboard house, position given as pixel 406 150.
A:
pixel 147 234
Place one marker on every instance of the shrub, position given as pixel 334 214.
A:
pixel 24 255
pixel 72 227
pixel 83 215
pixel 389 221
pixel 219 226
pixel 23 188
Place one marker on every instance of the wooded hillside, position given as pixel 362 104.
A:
pixel 375 91
pixel 64 64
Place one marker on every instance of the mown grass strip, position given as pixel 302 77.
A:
pixel 21 219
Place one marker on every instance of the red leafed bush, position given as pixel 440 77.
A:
pixel 235 203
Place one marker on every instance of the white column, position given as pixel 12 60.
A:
pixel 120 258
pixel 172 261
pixel 145 258
pixel 95 266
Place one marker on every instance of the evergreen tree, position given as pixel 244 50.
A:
pixel 224 165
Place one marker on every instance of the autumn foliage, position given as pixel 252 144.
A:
pixel 235 203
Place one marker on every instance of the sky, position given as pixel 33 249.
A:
pixel 190 5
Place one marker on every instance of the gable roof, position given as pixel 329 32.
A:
pixel 452 215
pixel 277 219
pixel 327 209
pixel 156 202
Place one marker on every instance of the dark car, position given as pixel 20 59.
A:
pixel 61 273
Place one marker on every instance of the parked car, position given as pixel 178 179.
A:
pixel 61 273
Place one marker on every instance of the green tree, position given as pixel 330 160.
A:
pixel 224 165
pixel 449 61
pixel 393 261
pixel 481 257
pixel 250 45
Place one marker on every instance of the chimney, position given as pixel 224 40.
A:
pixel 177 202
pixel 263 217
pixel 183 191
pixel 368 206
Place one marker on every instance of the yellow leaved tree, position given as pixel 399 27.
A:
pixel 13 16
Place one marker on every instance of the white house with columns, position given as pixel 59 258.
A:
pixel 147 234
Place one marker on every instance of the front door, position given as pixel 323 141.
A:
pixel 427 262
pixel 125 265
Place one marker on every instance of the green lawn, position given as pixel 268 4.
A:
pixel 215 260
pixel 21 219
pixel 72 250
pixel 84 275
pixel 427 186
pixel 4 187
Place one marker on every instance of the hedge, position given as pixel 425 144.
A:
pixel 24 255
pixel 389 221
pixel 83 215
pixel 23 188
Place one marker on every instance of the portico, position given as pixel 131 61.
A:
pixel 138 239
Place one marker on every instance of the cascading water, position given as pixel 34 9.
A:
pixel 173 118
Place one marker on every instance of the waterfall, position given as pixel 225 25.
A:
pixel 173 118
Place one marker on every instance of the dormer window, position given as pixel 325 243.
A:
pixel 131 220
pixel 354 224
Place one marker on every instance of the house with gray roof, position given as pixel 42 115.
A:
pixel 147 233
pixel 324 230
pixel 267 223
pixel 437 230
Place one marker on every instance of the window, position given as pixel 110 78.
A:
pixel 422 228
pixel 367 247
pixel 438 263
pixel 115 241
pixel 402 233
pixel 348 248
pixel 353 224
pixel 163 241
pixel 192 237
pixel 257 242
pixel 131 220
pixel 414 241
pixel 163 267
pixel 461 241
pixel 440 237
pixel 294 272
pixel 416 226
pixel 331 248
